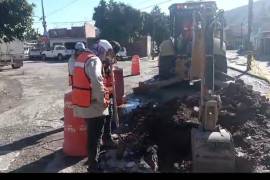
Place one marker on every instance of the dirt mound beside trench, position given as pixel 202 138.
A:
pixel 246 114
pixel 167 127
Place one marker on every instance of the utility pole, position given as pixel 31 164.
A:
pixel 44 19
pixel 242 40
pixel 250 22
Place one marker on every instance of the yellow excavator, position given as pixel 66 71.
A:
pixel 180 57
pixel 199 48
pixel 196 52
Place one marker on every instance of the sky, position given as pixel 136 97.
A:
pixel 66 13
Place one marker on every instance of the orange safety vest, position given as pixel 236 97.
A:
pixel 81 83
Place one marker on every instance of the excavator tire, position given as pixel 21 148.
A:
pixel 221 64
pixel 166 67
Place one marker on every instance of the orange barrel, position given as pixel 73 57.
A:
pixel 136 66
pixel 75 131
pixel 119 85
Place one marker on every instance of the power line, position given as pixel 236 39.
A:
pixel 153 5
pixel 143 1
pixel 62 8
pixel 84 21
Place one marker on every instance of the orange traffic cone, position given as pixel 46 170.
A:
pixel 136 66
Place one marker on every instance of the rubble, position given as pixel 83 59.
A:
pixel 159 134
pixel 159 137
pixel 246 115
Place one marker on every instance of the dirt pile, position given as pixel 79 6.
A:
pixel 246 114
pixel 159 134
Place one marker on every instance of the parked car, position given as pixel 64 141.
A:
pixel 35 54
pixel 241 51
pixel 59 52
pixel 26 52
pixel 122 54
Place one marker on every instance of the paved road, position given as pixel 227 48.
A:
pixel 31 116
pixel 35 109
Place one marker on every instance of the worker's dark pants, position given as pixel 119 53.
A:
pixel 94 132
pixel 98 128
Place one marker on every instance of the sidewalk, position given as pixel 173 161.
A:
pixel 259 69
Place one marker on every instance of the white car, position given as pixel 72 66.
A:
pixel 34 53
pixel 59 52
pixel 122 54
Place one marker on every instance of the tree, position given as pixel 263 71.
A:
pixel 160 25
pixel 125 24
pixel 31 34
pixel 15 19
pixel 118 21
pixel 147 23
pixel 100 14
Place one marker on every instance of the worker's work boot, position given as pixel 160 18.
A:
pixel 108 143
pixel 94 168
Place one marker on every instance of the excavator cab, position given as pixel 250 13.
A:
pixel 189 23
pixel 182 23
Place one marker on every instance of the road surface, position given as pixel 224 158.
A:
pixel 31 114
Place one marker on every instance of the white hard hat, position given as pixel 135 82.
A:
pixel 105 44
pixel 80 46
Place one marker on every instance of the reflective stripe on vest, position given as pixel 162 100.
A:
pixel 82 89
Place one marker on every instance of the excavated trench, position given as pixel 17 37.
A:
pixel 163 127
pixel 163 131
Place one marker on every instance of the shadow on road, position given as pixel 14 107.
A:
pixel 53 163
pixel 239 76
pixel 127 76
pixel 29 141
pixel 6 69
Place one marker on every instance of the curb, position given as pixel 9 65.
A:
pixel 245 72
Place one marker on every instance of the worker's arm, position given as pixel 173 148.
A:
pixel 94 71
pixel 71 63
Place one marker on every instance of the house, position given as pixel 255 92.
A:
pixel 141 47
pixel 261 40
pixel 69 37
pixel 235 36
pixel 262 43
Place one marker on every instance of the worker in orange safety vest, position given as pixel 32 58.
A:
pixel 90 97
pixel 108 82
